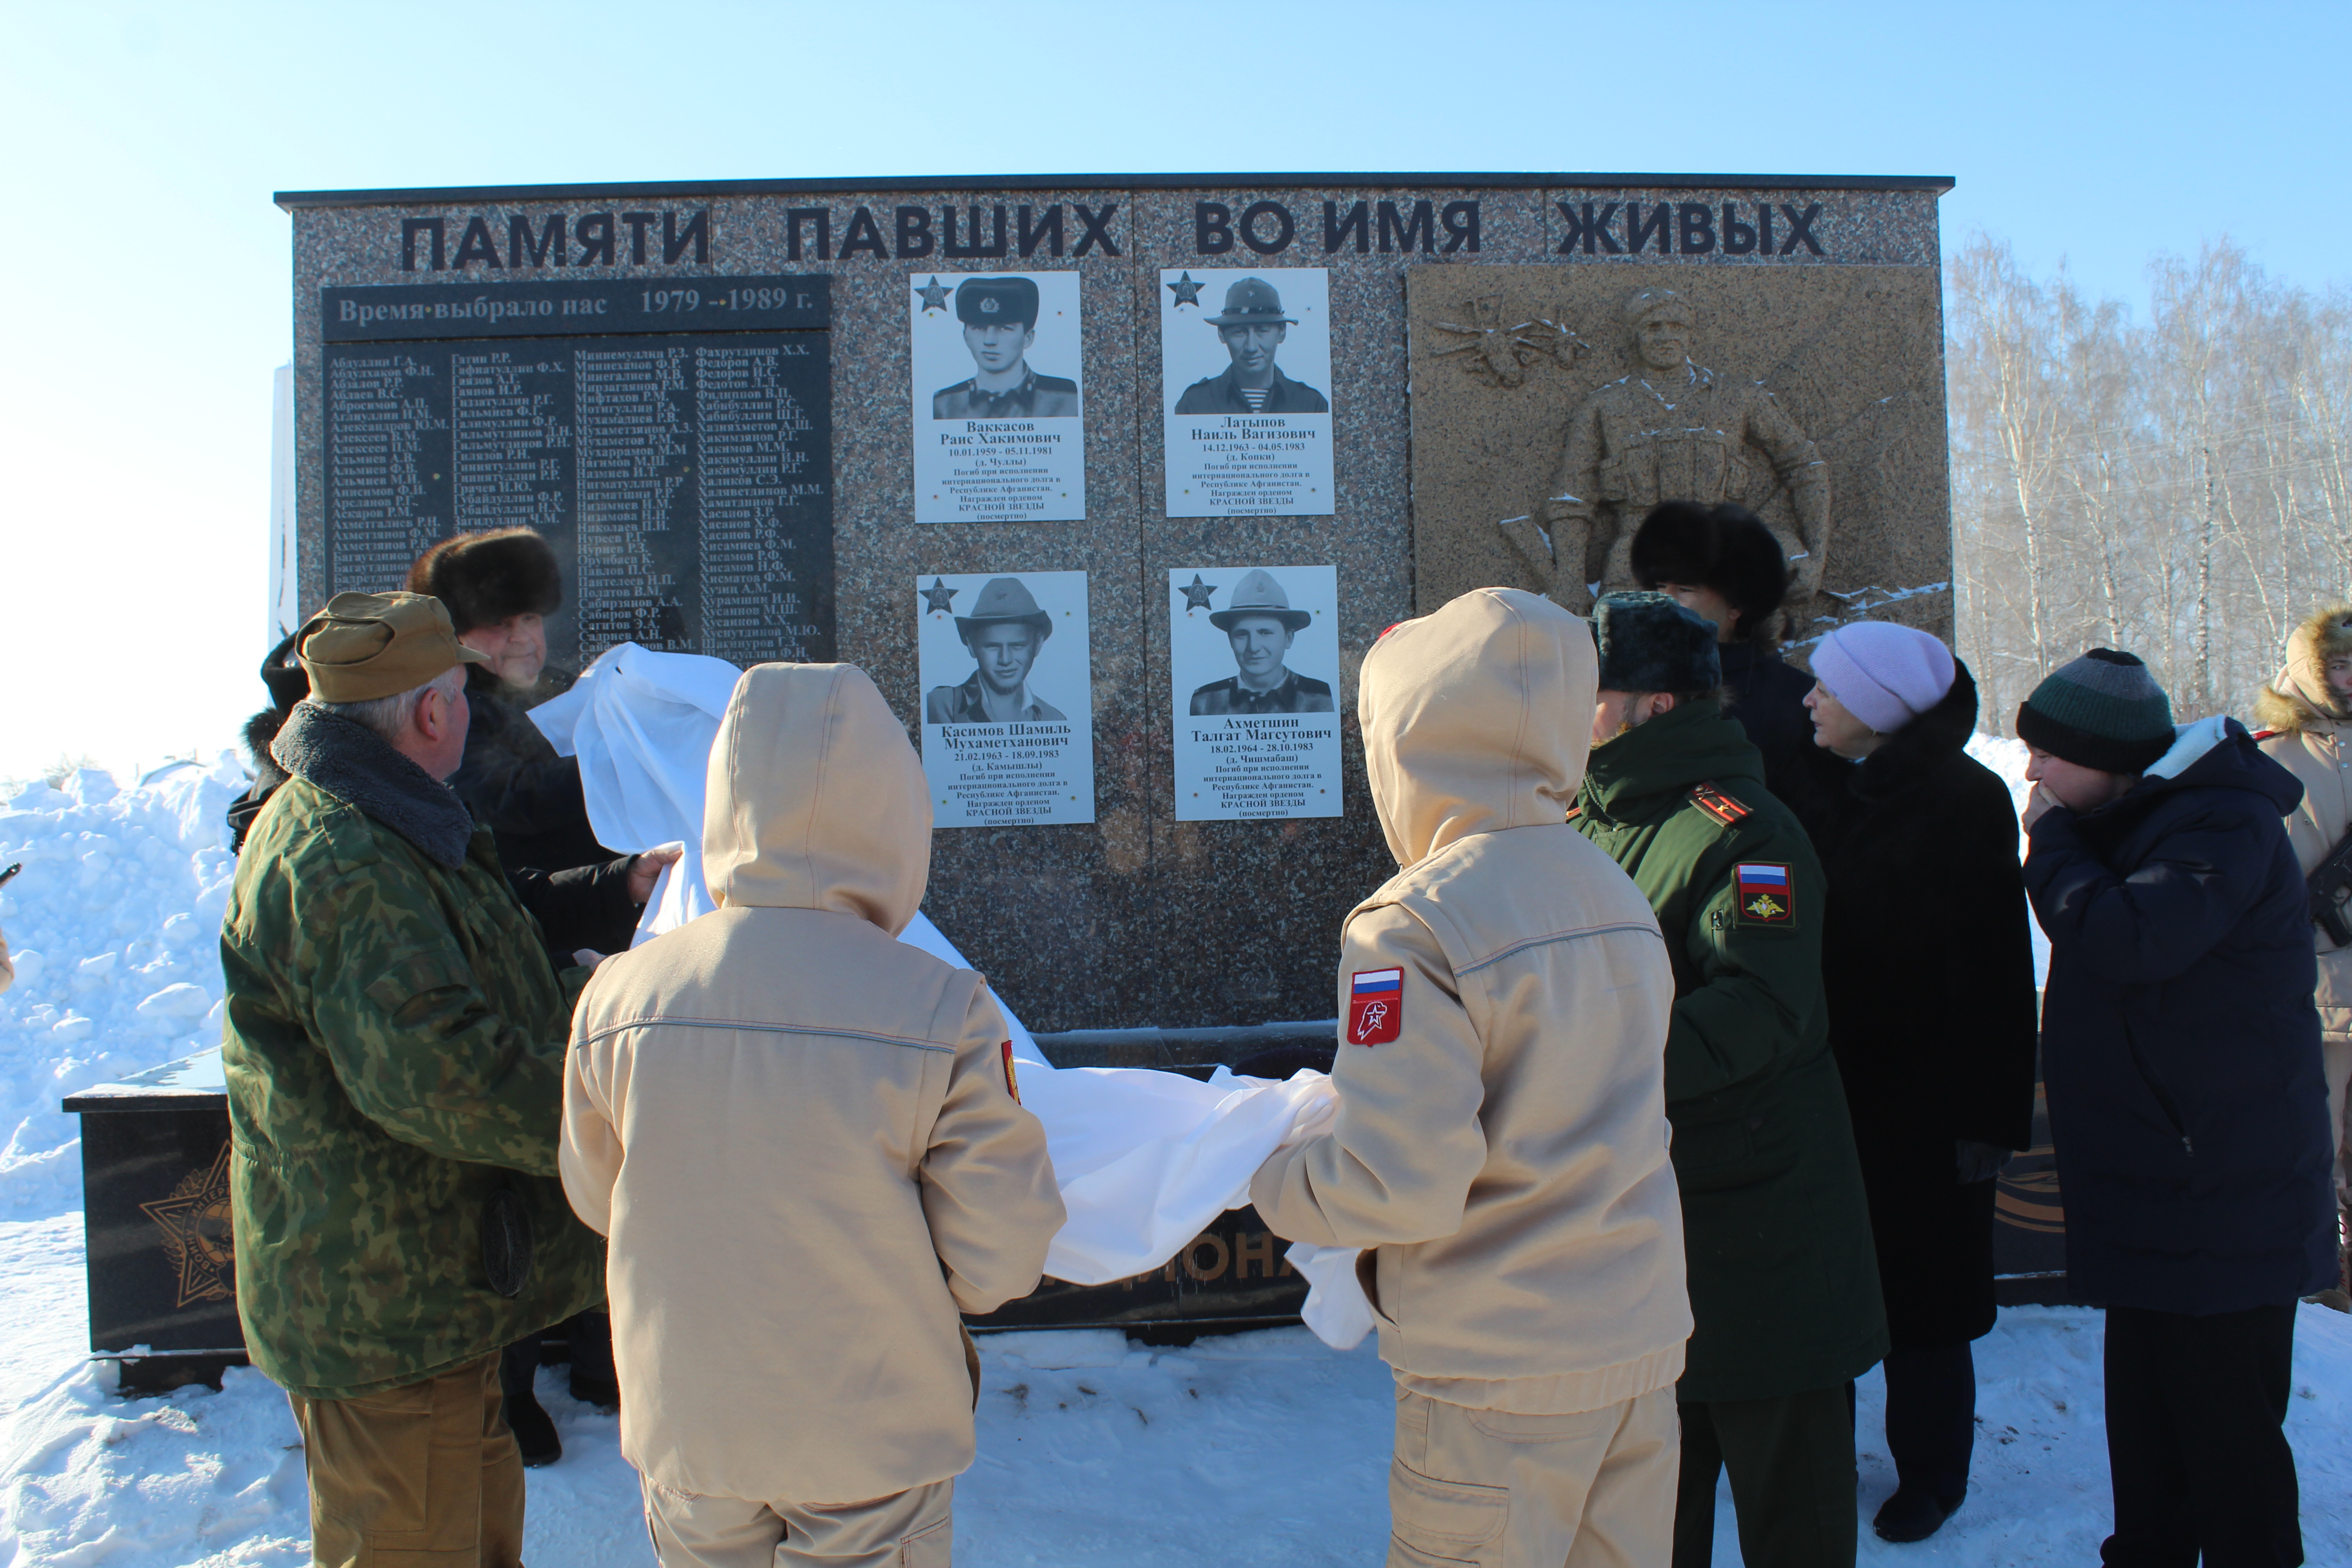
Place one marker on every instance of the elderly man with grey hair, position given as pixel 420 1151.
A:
pixel 393 1043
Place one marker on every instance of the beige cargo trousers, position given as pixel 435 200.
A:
pixel 1595 1489
pixel 913 1529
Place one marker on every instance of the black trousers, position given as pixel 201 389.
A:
pixel 1792 1463
pixel 2197 1448
pixel 1931 1419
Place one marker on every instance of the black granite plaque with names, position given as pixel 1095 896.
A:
pixel 409 311
pixel 685 477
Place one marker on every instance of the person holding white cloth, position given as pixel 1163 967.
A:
pixel 1500 1146
pixel 806 1141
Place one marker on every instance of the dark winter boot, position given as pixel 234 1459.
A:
pixel 1911 1515
pixel 534 1430
pixel 593 1380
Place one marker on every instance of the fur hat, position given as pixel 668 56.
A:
pixel 1648 643
pixel 1726 548
pixel 484 578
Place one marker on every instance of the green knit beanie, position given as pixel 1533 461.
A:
pixel 2102 710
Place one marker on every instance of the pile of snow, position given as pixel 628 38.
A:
pixel 114 925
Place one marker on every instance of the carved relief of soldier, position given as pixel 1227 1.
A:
pixel 1000 327
pixel 1672 430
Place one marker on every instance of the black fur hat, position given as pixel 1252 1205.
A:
pixel 1726 548
pixel 484 578
pixel 1650 643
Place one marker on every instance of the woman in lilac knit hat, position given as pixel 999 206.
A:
pixel 1928 972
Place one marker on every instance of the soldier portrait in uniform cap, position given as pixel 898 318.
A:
pixel 1260 626
pixel 1252 328
pixel 999 313
pixel 1004 632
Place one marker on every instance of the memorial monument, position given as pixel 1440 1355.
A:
pixel 794 419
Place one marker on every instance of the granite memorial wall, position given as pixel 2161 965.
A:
pixel 1110 482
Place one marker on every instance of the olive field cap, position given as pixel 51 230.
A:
pixel 1252 302
pixel 1005 599
pixel 993 301
pixel 1259 595
pixel 366 646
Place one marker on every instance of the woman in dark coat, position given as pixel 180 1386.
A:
pixel 499 586
pixel 1927 968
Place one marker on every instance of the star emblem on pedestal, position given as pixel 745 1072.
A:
pixel 935 293
pixel 1187 292
pixel 940 597
pixel 1196 593
pixel 194 1221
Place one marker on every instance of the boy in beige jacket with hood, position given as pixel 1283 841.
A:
pixel 1500 1143
pixel 805 1140
pixel 2306 714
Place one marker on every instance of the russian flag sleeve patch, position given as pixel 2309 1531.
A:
pixel 1375 1005
pixel 1765 893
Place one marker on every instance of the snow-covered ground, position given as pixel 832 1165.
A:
pixel 1262 1448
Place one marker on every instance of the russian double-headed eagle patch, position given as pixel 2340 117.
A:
pixel 1766 893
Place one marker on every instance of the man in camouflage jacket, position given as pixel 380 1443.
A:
pixel 394 1054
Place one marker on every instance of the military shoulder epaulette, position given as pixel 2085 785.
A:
pixel 1717 804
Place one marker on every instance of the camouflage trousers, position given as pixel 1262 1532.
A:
pixel 426 1473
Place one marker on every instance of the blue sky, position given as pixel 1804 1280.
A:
pixel 148 268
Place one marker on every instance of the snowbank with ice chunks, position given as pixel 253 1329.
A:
pixel 114 924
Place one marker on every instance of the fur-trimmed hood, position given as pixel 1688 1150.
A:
pixel 2297 696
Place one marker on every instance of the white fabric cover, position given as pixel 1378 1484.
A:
pixel 1145 1160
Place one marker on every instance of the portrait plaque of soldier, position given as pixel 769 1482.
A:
pixel 1004 632
pixel 1260 624
pixel 1673 430
pixel 1253 653
pixel 998 398
pixel 1248 426
pixel 1000 327
pixel 1005 672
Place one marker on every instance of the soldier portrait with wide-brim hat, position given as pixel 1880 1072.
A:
pixel 1251 327
pixel 1260 624
pixel 999 314
pixel 1005 631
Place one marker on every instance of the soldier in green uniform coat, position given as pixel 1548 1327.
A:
pixel 393 1044
pixel 1784 1281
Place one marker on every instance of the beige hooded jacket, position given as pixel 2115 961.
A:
pixel 800 1134
pixel 1504 1152
pixel 2310 735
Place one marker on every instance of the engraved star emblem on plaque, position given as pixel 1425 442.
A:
pixel 194 1221
pixel 939 596
pixel 1187 292
pixel 1196 593
pixel 935 293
